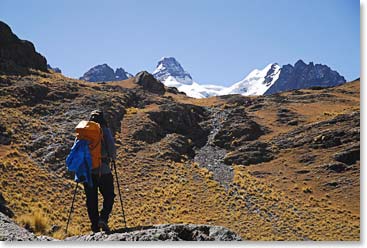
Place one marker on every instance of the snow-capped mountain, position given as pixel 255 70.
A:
pixel 255 83
pixel 170 72
pixel 271 79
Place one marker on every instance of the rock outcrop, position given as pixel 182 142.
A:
pixel 3 208
pixel 251 153
pixel 5 137
pixel 149 83
pixel 18 56
pixel 9 231
pixel 168 232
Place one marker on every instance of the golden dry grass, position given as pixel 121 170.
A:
pixel 280 206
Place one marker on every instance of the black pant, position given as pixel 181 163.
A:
pixel 105 186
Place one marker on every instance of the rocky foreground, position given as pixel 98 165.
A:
pixel 168 232
pixel 9 231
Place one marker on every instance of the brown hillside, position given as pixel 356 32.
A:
pixel 278 167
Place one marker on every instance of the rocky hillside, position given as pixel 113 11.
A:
pixel 284 165
pixel 277 167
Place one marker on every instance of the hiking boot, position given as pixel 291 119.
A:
pixel 95 229
pixel 103 224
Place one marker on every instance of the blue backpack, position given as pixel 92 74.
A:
pixel 79 161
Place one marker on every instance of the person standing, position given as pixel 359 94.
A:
pixel 102 178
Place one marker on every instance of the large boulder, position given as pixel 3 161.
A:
pixel 251 153
pixel 237 129
pixel 336 167
pixel 149 83
pixel 349 156
pixel 184 119
pixel 175 146
pixel 18 56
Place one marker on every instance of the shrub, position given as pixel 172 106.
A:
pixel 307 190
pixel 35 222
pixel 132 110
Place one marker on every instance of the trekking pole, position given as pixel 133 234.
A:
pixel 71 209
pixel 118 187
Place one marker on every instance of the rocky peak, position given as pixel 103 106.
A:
pixel 18 56
pixel 170 67
pixel 104 73
pixel 99 73
pixel 120 74
pixel 300 63
pixel 271 74
pixel 303 75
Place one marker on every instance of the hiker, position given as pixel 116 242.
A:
pixel 101 178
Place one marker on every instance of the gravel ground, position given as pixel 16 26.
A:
pixel 211 156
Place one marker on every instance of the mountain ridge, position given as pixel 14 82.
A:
pixel 303 75
pixel 104 73
pixel 271 79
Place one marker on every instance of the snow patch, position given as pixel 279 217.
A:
pixel 256 82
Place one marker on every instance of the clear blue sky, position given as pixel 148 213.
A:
pixel 218 42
